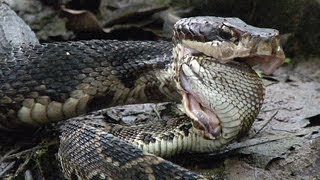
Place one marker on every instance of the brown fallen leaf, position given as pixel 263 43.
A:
pixel 133 13
pixel 81 20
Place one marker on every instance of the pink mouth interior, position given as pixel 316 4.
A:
pixel 203 118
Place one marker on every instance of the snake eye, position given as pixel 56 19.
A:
pixel 218 34
pixel 224 35
pixel 227 34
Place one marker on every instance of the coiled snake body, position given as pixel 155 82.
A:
pixel 208 67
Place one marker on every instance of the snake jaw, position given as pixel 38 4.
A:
pixel 204 119
pixel 226 39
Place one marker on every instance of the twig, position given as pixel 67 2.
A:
pixel 157 113
pixel 287 109
pixel 265 124
pixel 7 168
pixel 21 153
pixel 234 147
pixel 11 156
pixel 3 158
pixel 22 166
pixel 271 84
pixel 254 142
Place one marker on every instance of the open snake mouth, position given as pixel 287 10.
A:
pixel 203 117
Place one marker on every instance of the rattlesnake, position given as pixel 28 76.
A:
pixel 207 64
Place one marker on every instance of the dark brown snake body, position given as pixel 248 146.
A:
pixel 208 66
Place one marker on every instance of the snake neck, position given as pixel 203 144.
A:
pixel 56 81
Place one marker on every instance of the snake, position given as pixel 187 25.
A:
pixel 208 67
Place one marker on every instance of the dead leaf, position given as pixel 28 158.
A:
pixel 81 20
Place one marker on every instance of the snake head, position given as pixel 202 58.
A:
pixel 213 59
pixel 226 39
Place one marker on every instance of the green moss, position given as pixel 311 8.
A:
pixel 288 61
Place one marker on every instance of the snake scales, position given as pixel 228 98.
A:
pixel 208 67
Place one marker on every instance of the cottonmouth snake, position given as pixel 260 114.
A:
pixel 208 67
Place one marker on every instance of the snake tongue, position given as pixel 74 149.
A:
pixel 203 119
